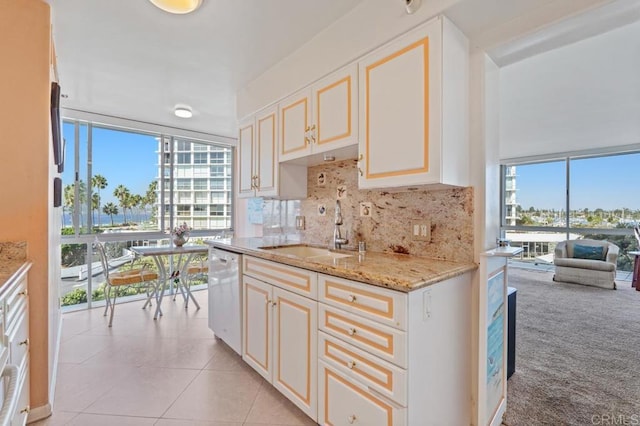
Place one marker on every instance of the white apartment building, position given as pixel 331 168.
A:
pixel 199 182
pixel 511 213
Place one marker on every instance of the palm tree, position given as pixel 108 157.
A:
pixel 123 194
pixel 99 182
pixel 151 196
pixel 69 196
pixel 95 206
pixel 110 209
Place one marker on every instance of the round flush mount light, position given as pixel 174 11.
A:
pixel 183 111
pixel 179 7
pixel 412 5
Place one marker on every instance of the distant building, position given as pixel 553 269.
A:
pixel 202 183
pixel 511 213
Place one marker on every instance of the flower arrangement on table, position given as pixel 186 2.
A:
pixel 180 234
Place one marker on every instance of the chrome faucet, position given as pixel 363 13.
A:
pixel 338 240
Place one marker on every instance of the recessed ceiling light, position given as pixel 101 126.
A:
pixel 183 112
pixel 179 7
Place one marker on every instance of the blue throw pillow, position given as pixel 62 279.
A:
pixel 588 252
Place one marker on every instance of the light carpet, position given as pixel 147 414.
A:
pixel 577 353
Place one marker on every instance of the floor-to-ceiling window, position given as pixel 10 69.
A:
pixel 576 196
pixel 128 187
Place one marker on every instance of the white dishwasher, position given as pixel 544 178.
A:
pixel 225 296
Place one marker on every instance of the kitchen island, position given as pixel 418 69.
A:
pixel 352 338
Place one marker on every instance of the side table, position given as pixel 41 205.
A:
pixel 636 269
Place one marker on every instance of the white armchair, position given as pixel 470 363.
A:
pixel 587 262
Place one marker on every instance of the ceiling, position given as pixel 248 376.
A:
pixel 129 59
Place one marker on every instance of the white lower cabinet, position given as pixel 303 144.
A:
pixel 361 354
pixel 280 341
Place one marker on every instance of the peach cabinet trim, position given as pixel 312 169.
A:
pixel 307 398
pixel 424 43
pixel 385 336
pixel 306 123
pixel 280 279
pixel 346 80
pixel 266 330
pixel 376 401
pixel 388 313
pixel 387 384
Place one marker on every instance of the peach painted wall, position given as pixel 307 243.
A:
pixel 25 182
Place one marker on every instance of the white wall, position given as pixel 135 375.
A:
pixel 582 96
pixel 367 26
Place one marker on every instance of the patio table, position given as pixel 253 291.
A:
pixel 185 255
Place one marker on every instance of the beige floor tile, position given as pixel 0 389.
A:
pixel 104 420
pixel 58 418
pixel 226 359
pixel 81 347
pixel 272 407
pixel 170 422
pixel 145 392
pixel 80 385
pixel 221 396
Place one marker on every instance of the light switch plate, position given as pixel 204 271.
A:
pixel 421 230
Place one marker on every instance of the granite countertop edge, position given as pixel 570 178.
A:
pixel 10 270
pixel 406 272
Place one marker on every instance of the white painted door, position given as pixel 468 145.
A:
pixel 257 326
pixel 295 349
pixel 335 110
pixel 246 158
pixel 295 124
pixel 400 117
pixel 266 165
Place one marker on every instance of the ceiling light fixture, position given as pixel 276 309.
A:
pixel 412 5
pixel 179 7
pixel 183 112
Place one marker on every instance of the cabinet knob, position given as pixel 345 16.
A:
pixel 360 157
pixel 26 409
pixel 25 342
pixel 351 364
pixel 23 293
pixel 307 141
pixel 351 331
pixel 307 129
pixel 351 298
pixel 274 304
pixel 352 419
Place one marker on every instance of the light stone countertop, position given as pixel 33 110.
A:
pixel 395 271
pixel 13 256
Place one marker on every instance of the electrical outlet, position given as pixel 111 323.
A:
pixel 421 230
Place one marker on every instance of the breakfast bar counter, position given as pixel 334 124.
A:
pixel 399 272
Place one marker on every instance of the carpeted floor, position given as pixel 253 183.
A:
pixel 577 353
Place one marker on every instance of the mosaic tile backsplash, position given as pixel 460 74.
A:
pixel 381 219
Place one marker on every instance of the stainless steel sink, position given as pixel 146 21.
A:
pixel 306 252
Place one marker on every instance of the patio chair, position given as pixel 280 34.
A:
pixel 140 277
pixel 198 267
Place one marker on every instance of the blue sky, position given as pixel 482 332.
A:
pixel 603 182
pixel 123 158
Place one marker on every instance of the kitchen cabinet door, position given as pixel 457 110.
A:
pixel 413 115
pixel 295 349
pixel 266 164
pixel 257 308
pixel 246 158
pixel 295 123
pixel 335 111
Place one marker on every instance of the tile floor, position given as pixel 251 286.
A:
pixel 169 372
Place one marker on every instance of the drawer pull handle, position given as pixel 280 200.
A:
pixel 23 293
pixel 351 331
pixel 24 342
pixel 26 409
pixel 352 419
pixel 351 365
pixel 351 298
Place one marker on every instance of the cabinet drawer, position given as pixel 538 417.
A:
pixel 380 340
pixel 386 306
pixel 15 301
pixel 290 278
pixel 346 402
pixel 371 371
pixel 18 338
pixel 22 408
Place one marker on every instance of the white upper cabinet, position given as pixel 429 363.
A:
pixel 413 116
pixel 320 118
pixel 259 172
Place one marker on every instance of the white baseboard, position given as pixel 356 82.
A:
pixel 54 375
